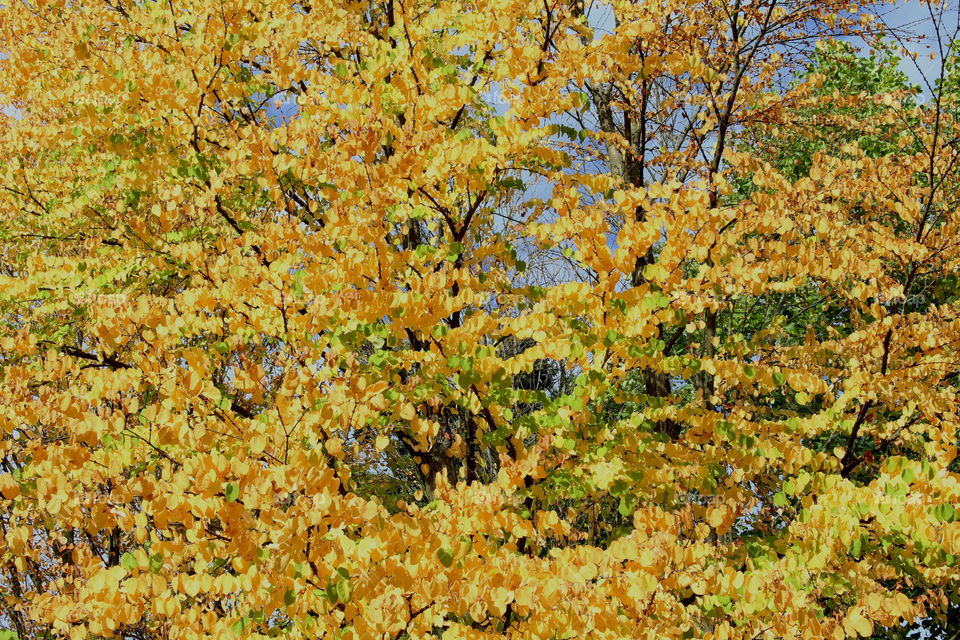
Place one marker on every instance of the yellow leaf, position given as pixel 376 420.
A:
pixel 856 623
pixel 407 412
pixel 715 517
pixel 334 446
pixel 257 444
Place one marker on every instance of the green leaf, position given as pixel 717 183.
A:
pixel 856 547
pixel 945 512
pixel 289 597
pixel 628 503
pixel 156 563
pixel 445 556
pixel 331 592
pixel 344 590
pixel 656 300
pixel 453 251
pixel 128 561
pixel 780 500
pixel 296 286
pixel 511 183
pixel 231 491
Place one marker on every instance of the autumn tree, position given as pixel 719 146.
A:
pixel 468 320
pixel 868 100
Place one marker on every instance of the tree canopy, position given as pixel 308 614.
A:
pixel 472 319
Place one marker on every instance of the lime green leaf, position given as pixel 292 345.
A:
pixel 945 512
pixel 654 301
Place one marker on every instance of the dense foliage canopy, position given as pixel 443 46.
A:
pixel 476 319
